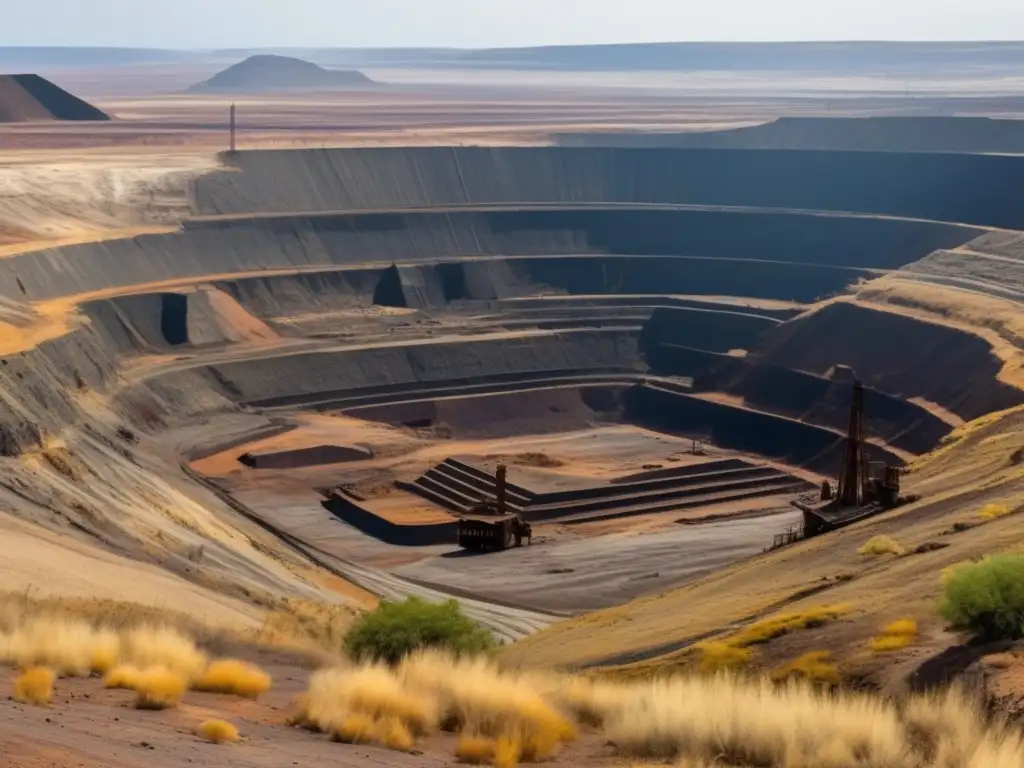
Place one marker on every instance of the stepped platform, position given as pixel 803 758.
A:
pixel 457 485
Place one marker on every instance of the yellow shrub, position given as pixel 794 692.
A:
pixel 394 734
pixel 774 626
pixel 230 676
pixel 590 701
pixel 717 657
pixel 479 699
pixel 34 686
pixel 895 636
pixel 355 729
pixel 718 720
pixel 366 705
pixel 882 545
pixel 300 714
pixel 372 691
pixel 159 688
pixel 218 731
pixel 507 752
pixel 888 643
pixel 104 651
pixel 67 647
pixel 901 627
pixel 814 667
pixel 994 511
pixel 164 647
pixel 124 676
pixel 475 749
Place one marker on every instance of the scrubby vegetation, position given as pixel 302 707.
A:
pixel 718 657
pixel 987 597
pixel 505 717
pixel 508 713
pixel 882 545
pixel 895 636
pixel 734 653
pixel 230 676
pixel 994 511
pixel 815 667
pixel 159 688
pixel 395 630
pixel 34 686
pixel 218 731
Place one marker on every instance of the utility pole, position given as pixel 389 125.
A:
pixel 233 145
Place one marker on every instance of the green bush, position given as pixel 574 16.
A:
pixel 394 630
pixel 987 598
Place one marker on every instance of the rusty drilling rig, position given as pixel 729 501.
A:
pixel 863 488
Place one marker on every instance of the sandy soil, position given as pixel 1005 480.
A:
pixel 89 572
pixel 586 456
pixel 59 198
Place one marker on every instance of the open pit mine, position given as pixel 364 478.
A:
pixel 655 347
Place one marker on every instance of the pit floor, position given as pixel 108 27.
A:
pixel 567 569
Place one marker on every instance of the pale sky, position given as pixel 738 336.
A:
pixel 488 23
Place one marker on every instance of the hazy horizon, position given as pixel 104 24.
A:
pixel 219 24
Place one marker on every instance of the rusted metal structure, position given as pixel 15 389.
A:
pixel 501 487
pixel 499 504
pixel 493 535
pixel 854 478
pixel 860 492
pixel 497 534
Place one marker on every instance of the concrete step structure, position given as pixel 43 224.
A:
pixel 457 485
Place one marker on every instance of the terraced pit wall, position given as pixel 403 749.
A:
pixel 209 250
pixel 801 395
pixel 267 382
pixel 897 354
pixel 793 442
pixel 886 183
pixel 873 134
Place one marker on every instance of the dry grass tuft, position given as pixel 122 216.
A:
pixel 589 701
pixel 366 705
pixel 994 511
pixel 394 734
pixel 882 545
pixel 218 731
pixel 504 717
pixel 475 750
pixel 721 721
pixel 159 688
pixel 477 698
pixel 165 647
pixel 233 677
pixel 124 677
pixel 308 625
pixel 815 667
pixel 717 657
pixel 69 647
pixel 775 626
pixel 894 637
pixel 34 686
pixel 355 729
pixel 508 752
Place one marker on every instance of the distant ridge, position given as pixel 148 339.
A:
pixel 26 98
pixel 268 72
pixel 872 134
